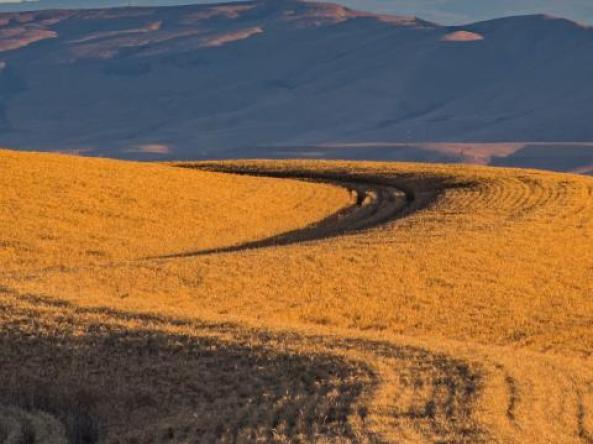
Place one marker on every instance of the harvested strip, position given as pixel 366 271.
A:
pixel 374 204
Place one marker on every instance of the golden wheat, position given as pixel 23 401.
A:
pixel 465 319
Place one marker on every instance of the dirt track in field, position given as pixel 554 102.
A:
pixel 373 204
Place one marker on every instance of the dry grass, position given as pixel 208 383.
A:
pixel 467 320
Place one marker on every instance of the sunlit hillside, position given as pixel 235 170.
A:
pixel 333 302
pixel 60 211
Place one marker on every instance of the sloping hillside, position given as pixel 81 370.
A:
pixel 193 82
pixel 60 211
pixel 464 316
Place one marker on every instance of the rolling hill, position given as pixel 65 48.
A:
pixel 293 301
pixel 264 77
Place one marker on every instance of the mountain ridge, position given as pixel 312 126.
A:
pixel 40 5
pixel 197 81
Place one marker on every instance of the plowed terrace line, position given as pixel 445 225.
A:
pixel 374 204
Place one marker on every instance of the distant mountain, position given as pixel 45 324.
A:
pixel 451 12
pixel 36 5
pixel 246 78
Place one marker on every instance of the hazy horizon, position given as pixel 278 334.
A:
pixel 446 12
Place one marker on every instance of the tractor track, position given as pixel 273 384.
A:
pixel 373 204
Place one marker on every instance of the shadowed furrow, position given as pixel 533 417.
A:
pixel 222 383
pixel 373 204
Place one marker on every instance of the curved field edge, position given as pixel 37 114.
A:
pixel 373 204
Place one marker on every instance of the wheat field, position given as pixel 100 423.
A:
pixel 293 301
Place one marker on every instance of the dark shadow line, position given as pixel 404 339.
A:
pixel 439 371
pixel 377 203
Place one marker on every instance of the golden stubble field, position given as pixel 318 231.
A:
pixel 467 317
